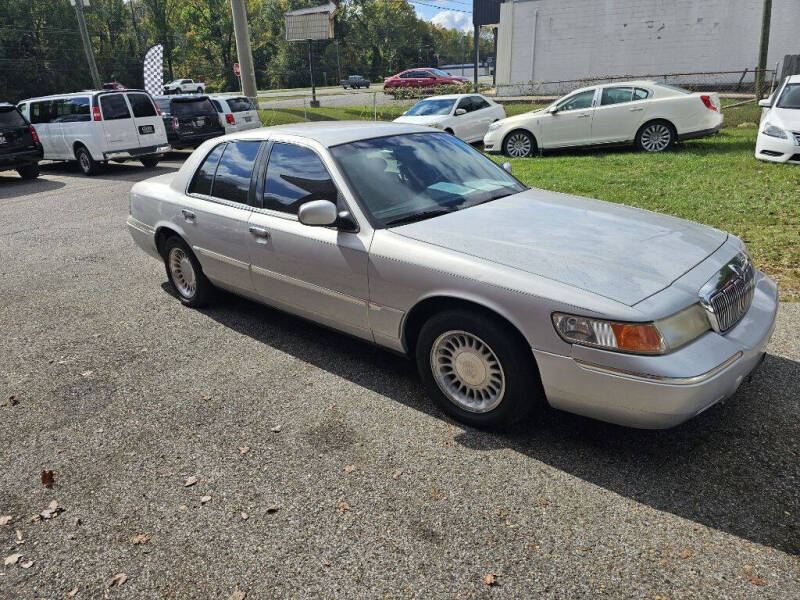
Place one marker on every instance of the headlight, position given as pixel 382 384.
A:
pixel 658 337
pixel 494 126
pixel 774 131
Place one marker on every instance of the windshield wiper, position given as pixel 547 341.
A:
pixel 419 216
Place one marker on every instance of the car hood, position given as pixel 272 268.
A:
pixel 787 118
pixel 421 119
pixel 622 253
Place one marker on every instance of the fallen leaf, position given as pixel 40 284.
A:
pixel 72 593
pixel 27 565
pixel 12 560
pixel 52 510
pixel 47 479
pixel 244 449
pixel 490 578
pixel 87 373
pixel 205 499
pixel 343 507
pixel 349 468
pixel 543 502
pixel 141 538
pixel 397 474
pixel 244 516
pixel 5 520
pixel 759 581
pixel 19 536
pixel 12 401
pixel 206 398
pixel 76 522
pixel 238 594
pixel 273 508
pixel 685 553
pixel 190 481
pixel 117 580
pixel 276 429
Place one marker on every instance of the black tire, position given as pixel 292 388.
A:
pixel 450 131
pixel 87 164
pixel 30 171
pixel 150 161
pixel 519 144
pixel 199 90
pixel 203 289
pixel 522 390
pixel 655 136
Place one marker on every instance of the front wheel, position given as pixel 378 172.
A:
pixel 199 90
pixel 30 171
pixel 185 273
pixel 477 369
pixel 655 137
pixel 519 144
pixel 150 161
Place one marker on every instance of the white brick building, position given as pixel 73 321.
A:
pixel 567 40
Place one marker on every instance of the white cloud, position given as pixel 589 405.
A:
pixel 450 19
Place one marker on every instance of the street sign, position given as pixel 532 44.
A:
pixel 236 69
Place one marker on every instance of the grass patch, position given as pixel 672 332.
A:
pixel 716 181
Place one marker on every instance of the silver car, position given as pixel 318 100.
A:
pixel 507 297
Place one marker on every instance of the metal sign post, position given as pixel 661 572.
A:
pixel 314 101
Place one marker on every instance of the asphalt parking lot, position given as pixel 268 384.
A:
pixel 321 468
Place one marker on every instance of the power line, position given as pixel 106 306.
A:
pixel 467 12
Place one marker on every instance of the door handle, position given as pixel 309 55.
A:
pixel 584 116
pixel 259 232
pixel 188 215
pixel 637 109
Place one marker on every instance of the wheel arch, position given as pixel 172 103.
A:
pixel 163 233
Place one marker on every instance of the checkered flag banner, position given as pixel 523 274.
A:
pixel 154 70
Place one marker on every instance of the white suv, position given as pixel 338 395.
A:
pixel 94 127
pixel 236 113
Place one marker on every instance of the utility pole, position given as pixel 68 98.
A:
pixel 477 56
pixel 763 48
pixel 243 50
pixel 87 43
pixel 338 64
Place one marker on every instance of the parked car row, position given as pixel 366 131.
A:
pixel 96 126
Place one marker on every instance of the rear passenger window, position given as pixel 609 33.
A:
pixel 142 105
pixel 239 104
pixel 204 177
pixel 232 181
pixel 640 94
pixel 114 107
pixel 296 175
pixel 479 103
pixel 616 95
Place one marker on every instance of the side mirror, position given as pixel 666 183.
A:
pixel 765 103
pixel 317 213
pixel 461 111
pixel 507 167
pixel 552 110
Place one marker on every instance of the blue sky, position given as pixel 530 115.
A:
pixel 453 14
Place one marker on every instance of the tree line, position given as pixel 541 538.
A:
pixel 41 51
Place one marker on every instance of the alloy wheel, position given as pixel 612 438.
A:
pixel 519 145
pixel 467 371
pixel 656 137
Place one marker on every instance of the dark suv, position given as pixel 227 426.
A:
pixel 20 148
pixel 190 120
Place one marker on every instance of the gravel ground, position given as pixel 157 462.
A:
pixel 124 394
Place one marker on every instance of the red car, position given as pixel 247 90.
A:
pixel 421 78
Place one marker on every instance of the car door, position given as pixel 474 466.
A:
pixel 619 114
pixel 148 123
pixel 318 272
pixel 483 115
pixel 119 130
pixel 44 117
pixel 570 124
pixel 74 119
pixel 216 212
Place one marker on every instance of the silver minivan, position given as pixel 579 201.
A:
pixel 93 127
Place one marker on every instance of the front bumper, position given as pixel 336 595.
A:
pixel 136 152
pixel 667 393
pixel 493 142
pixel 777 150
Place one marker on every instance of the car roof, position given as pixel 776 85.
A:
pixel 332 133
pixel 81 94
pixel 451 96
pixel 629 83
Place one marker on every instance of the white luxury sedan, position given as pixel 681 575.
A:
pixel 651 115
pixel 467 116
pixel 779 132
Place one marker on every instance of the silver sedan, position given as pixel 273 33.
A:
pixel 508 297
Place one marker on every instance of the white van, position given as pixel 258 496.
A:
pixel 236 113
pixel 94 127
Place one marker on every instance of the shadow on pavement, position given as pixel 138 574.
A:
pixel 734 468
pixel 13 186
pixel 128 171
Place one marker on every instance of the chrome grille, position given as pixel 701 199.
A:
pixel 727 296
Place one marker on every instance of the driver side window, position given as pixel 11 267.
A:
pixel 579 101
pixel 295 175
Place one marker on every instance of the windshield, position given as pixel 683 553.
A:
pixel 790 98
pixel 404 178
pixel 431 107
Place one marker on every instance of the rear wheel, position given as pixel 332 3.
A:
pixel 655 136
pixel 30 171
pixel 88 165
pixel 519 144
pixel 185 273
pixel 476 369
pixel 150 161
pixel 199 90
